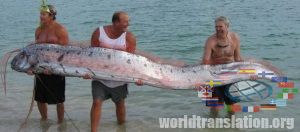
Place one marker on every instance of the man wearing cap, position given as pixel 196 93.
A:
pixel 50 89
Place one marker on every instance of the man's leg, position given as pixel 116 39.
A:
pixel 95 114
pixel 121 111
pixel 60 108
pixel 230 111
pixel 214 112
pixel 229 101
pixel 216 93
pixel 43 110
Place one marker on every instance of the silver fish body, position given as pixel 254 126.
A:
pixel 109 64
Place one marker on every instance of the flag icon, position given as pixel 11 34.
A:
pixel 279 79
pixel 278 102
pixel 267 106
pixel 205 92
pixel 211 83
pixel 290 90
pixel 234 108
pixel 205 99
pixel 250 109
pixel 272 101
pixel 286 84
pixel 247 71
pixel 285 95
pixel 226 71
pixel 214 103
pixel 264 74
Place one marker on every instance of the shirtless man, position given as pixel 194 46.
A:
pixel 50 89
pixel 221 48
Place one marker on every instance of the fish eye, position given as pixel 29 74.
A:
pixel 22 55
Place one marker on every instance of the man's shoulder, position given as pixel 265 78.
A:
pixel 130 35
pixel 211 39
pixel 107 27
pixel 39 28
pixel 234 35
pixel 130 42
pixel 59 27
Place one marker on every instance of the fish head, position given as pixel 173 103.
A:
pixel 24 61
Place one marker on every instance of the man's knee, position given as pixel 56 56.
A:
pixel 120 103
pixel 60 104
pixel 97 102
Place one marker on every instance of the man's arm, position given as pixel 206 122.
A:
pixel 131 47
pixel 95 38
pixel 206 60
pixel 94 43
pixel 37 33
pixel 237 53
pixel 130 42
pixel 63 37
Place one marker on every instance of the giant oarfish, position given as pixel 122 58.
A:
pixel 109 64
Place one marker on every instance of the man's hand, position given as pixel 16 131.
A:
pixel 30 72
pixel 139 82
pixel 87 76
pixel 178 63
pixel 47 72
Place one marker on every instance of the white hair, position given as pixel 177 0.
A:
pixel 222 19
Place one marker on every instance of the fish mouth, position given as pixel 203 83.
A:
pixel 15 66
pixel 19 69
pixel 20 62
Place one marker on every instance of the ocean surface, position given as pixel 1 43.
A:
pixel 175 29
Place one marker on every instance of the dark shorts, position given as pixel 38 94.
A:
pixel 222 92
pixel 49 89
pixel 101 91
